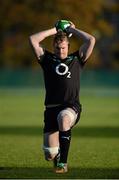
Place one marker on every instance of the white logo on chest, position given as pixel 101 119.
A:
pixel 63 69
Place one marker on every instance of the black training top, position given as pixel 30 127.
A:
pixel 62 78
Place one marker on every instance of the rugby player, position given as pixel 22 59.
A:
pixel 62 84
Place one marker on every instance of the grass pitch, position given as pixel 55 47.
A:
pixel 94 151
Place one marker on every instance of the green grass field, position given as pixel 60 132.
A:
pixel 94 151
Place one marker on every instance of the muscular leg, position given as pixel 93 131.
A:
pixel 66 119
pixel 51 145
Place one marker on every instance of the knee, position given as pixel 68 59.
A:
pixel 64 123
pixel 50 153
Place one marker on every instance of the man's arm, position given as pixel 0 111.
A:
pixel 37 38
pixel 88 45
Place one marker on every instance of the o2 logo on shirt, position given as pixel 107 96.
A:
pixel 63 69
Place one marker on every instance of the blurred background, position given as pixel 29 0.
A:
pixel 95 146
pixel 21 18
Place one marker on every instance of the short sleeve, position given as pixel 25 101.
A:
pixel 43 60
pixel 81 61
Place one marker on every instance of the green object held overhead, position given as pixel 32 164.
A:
pixel 61 25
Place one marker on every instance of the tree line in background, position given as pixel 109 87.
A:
pixel 21 18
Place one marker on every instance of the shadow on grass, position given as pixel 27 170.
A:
pixel 94 131
pixel 47 173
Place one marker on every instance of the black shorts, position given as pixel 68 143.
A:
pixel 50 117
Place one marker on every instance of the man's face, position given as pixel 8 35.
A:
pixel 61 49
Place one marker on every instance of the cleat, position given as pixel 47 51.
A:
pixel 61 168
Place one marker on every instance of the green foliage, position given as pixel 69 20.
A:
pixel 21 18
